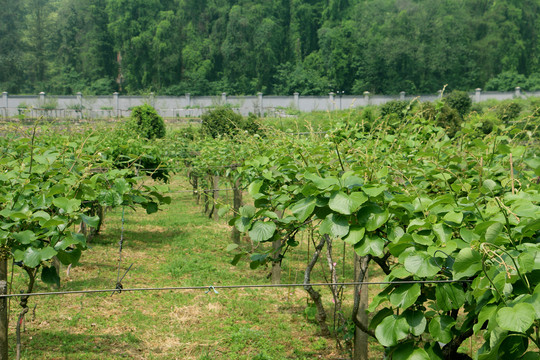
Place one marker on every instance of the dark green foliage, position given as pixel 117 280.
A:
pixel 224 121
pixel 443 115
pixel 508 111
pixel 397 107
pixel 450 119
pixel 460 101
pixel 147 122
pixel 277 47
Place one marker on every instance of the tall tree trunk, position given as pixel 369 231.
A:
pixel 361 300
pixel 3 310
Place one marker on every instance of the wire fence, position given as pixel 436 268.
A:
pixel 216 287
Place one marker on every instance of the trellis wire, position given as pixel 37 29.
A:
pixel 178 288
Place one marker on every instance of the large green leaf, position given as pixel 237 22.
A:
pixel 322 183
pixel 440 328
pixel 409 352
pixel 453 218
pixel 416 320
pixel 517 318
pixel 421 264
pixel 25 237
pixel 493 231
pixel 262 231
pixel 391 330
pixel 304 208
pixel 468 262
pixel 374 190
pixel 405 295
pixel 346 204
pixel 356 234
pixel 371 244
pixel 443 232
pixel 372 216
pixel 67 205
pixel 50 276
pixel 335 225
pixel 32 257
pixel 449 296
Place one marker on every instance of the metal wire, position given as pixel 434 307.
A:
pixel 178 288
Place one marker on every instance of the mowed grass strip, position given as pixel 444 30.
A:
pixel 178 246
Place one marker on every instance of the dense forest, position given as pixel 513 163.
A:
pixel 276 47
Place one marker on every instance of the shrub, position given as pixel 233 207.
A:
pixel 224 121
pixel 398 107
pixel 443 115
pixel 147 122
pixel 508 111
pixel 460 101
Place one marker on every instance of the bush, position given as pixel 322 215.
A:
pixel 398 107
pixel 147 122
pixel 508 111
pixel 443 115
pixel 224 121
pixel 460 101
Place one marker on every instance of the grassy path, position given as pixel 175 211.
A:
pixel 176 247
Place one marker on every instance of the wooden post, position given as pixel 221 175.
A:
pixel 237 204
pixel 276 263
pixel 215 196
pixel 360 351
pixel 3 310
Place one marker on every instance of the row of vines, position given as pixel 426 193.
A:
pixel 445 205
pixel 55 187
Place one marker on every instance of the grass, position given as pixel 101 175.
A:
pixel 179 246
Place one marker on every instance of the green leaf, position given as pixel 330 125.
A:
pixel 304 208
pixel 255 187
pixel 405 295
pixel 262 231
pixel 121 186
pixel 416 320
pixel 391 330
pixel 453 218
pixel 449 296
pixel 443 232
pixel 421 264
pixel 409 352
pixel 517 318
pixel 371 244
pixel 468 262
pixel 32 257
pixel 321 183
pixel 346 204
pixel 231 247
pixel 356 234
pixel 67 205
pixel 92 221
pixel 486 314
pixel 374 190
pixel 25 237
pixel 248 211
pixel 68 257
pixel 150 207
pixel 440 328
pixel 335 225
pixel 242 224
pixel 423 239
pixel 493 231
pixel 47 253
pixel 50 276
